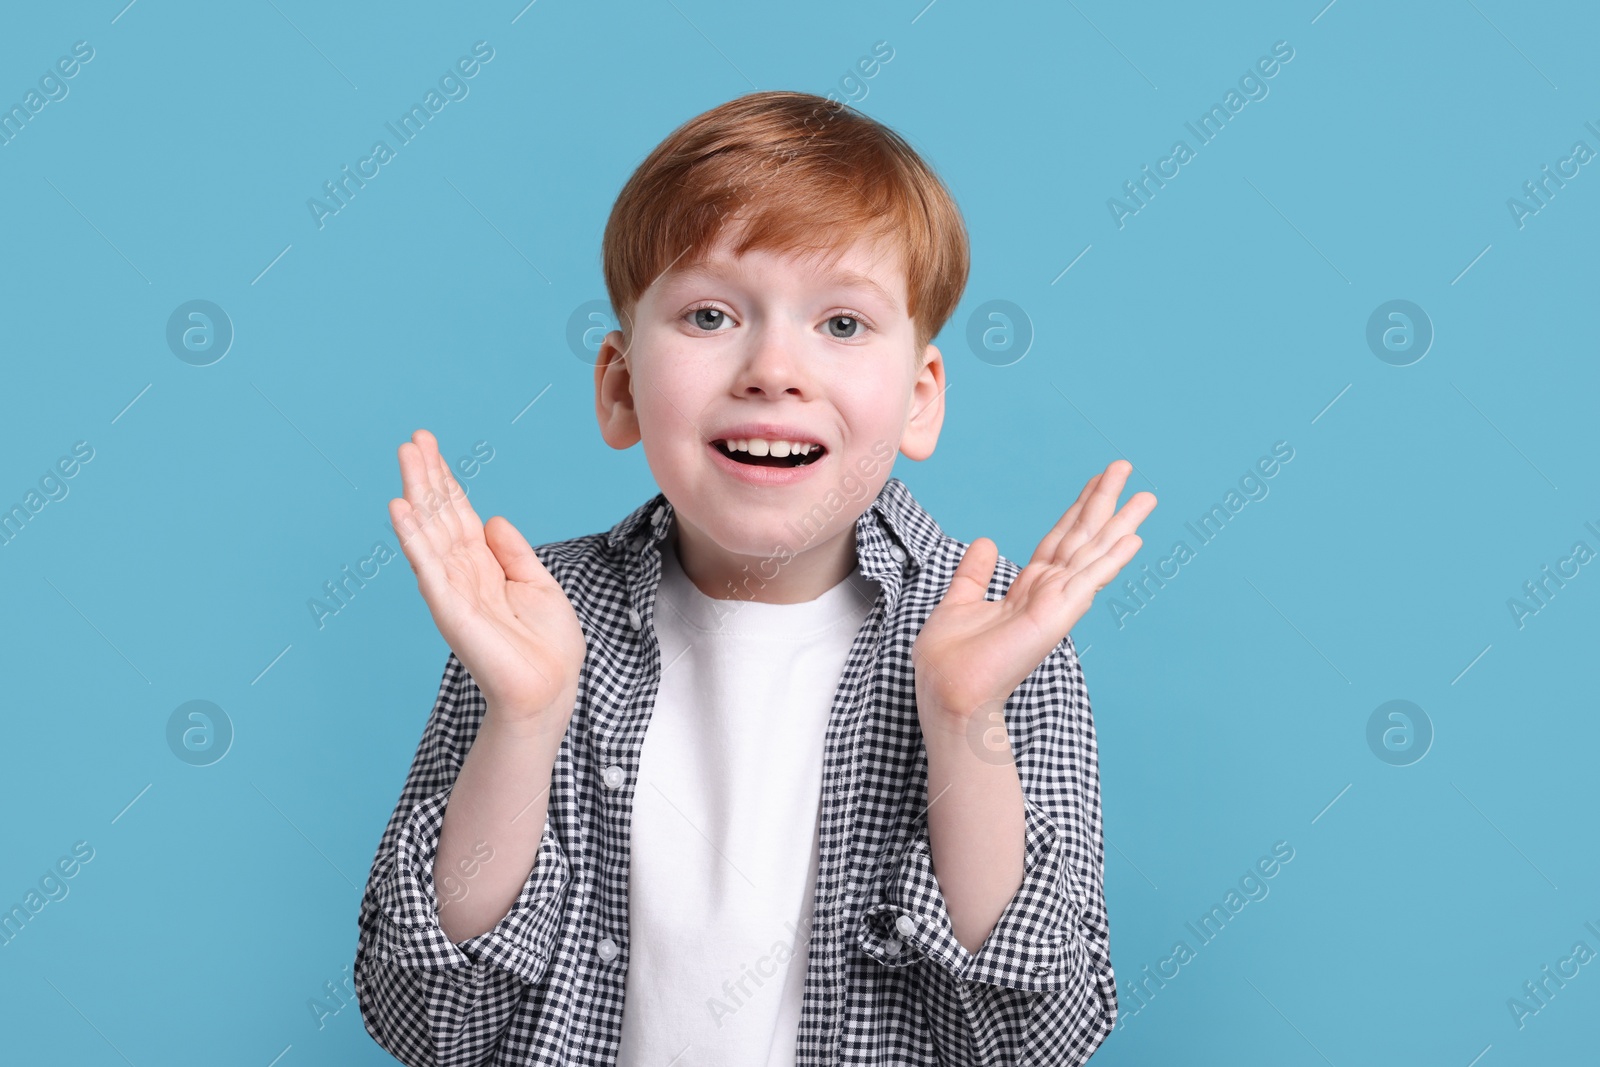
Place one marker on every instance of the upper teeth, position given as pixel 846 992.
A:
pixel 760 446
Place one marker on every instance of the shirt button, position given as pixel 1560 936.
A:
pixel 892 947
pixel 898 553
pixel 633 619
pixel 636 542
pixel 906 925
pixel 608 949
pixel 655 516
pixel 613 777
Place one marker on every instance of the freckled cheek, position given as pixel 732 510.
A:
pixel 672 408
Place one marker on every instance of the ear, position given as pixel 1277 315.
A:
pixel 927 408
pixel 613 393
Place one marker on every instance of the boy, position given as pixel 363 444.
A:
pixel 687 784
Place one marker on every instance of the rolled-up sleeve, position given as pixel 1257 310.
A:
pixel 429 1001
pixel 1040 989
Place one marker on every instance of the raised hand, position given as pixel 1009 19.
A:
pixel 973 652
pixel 502 614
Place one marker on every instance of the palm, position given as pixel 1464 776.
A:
pixel 972 651
pixel 989 638
pixel 507 620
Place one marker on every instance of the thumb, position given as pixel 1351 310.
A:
pixel 973 573
pixel 512 550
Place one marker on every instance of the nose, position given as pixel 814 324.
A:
pixel 774 362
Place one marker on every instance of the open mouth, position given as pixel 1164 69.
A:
pixel 791 460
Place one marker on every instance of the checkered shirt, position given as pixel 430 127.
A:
pixel 887 983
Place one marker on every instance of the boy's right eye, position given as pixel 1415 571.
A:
pixel 708 319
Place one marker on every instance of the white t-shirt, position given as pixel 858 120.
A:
pixel 725 822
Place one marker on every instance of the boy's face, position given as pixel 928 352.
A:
pixel 813 351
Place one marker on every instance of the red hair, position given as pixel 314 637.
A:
pixel 805 174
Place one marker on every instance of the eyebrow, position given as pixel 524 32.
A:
pixel 850 278
pixel 845 278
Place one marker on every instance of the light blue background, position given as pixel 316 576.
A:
pixel 1229 314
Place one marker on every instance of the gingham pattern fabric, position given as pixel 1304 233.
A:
pixel 887 982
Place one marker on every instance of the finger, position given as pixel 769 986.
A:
pixel 414 469
pixel 516 556
pixel 404 522
pixel 1121 553
pixel 1091 516
pixel 464 519
pixel 1099 572
pixel 419 552
pixel 974 572
pixel 1103 501
pixel 420 497
pixel 1126 521
pixel 413 481
pixel 1047 545
pixel 1079 589
pixel 441 482
pixel 431 504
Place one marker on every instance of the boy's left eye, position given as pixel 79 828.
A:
pixel 853 324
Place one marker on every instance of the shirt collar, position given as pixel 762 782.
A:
pixel 894 533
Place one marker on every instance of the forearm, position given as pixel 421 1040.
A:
pixel 976 831
pixel 493 824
